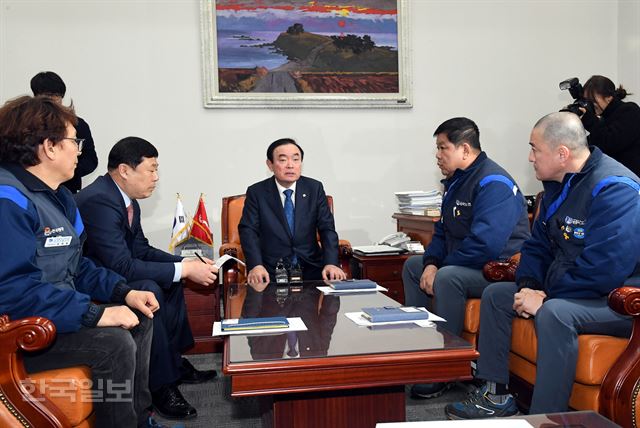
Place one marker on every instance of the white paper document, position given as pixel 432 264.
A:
pixel 222 260
pixel 476 423
pixel 331 290
pixel 357 318
pixel 295 324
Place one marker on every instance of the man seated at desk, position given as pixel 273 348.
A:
pixel 115 240
pixel 484 217
pixel 281 218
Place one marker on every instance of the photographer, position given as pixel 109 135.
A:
pixel 615 125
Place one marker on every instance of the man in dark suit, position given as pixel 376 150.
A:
pixel 115 239
pixel 49 84
pixel 282 217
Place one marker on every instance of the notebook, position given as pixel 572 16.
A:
pixel 353 284
pixel 394 313
pixel 254 323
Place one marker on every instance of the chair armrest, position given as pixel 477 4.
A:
pixel 344 249
pixel 619 393
pixel 29 408
pixel 501 270
pixel 344 256
pixel 232 249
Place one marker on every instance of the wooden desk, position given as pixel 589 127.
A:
pixel 203 308
pixel 387 270
pixel 418 227
pixel 345 376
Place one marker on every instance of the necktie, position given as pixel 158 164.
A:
pixel 289 210
pixel 289 213
pixel 130 214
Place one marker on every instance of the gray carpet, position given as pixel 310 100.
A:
pixel 217 409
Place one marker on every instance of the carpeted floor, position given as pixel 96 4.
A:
pixel 217 409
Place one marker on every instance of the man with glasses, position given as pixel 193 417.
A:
pixel 115 239
pixel 49 84
pixel 43 273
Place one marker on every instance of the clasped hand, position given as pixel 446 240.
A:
pixel 527 301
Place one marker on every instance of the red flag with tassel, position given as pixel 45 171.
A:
pixel 200 227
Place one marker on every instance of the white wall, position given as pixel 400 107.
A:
pixel 133 68
pixel 629 47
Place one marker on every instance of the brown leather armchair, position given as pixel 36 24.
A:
pixel 608 369
pixel 232 212
pixel 53 398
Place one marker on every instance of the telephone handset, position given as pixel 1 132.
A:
pixel 395 239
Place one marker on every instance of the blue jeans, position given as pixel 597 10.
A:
pixel 119 362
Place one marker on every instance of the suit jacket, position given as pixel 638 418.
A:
pixel 112 243
pixel 265 234
pixel 87 161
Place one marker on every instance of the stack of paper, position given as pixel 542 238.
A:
pixel 420 202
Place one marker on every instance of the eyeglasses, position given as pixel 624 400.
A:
pixel 79 142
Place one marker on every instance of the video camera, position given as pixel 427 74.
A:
pixel 575 89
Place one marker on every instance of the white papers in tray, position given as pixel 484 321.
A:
pixel 331 290
pixel 357 317
pixel 295 324
pixel 377 249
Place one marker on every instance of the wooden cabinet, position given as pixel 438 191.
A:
pixel 387 270
pixel 418 227
pixel 203 309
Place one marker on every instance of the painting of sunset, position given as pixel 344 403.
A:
pixel 315 47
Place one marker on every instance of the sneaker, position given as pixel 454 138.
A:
pixel 152 423
pixel 479 406
pixel 430 390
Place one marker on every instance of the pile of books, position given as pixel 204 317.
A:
pixel 419 202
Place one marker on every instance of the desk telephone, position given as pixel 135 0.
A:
pixel 402 240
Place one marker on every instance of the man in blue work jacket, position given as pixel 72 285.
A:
pixel 585 243
pixel 44 274
pixel 484 217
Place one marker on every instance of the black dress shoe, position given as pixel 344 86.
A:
pixel 189 374
pixel 170 404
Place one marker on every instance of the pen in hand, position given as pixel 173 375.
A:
pixel 200 257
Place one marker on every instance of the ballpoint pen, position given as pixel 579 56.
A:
pixel 200 257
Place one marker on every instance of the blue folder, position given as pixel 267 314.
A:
pixel 394 313
pixel 353 284
pixel 255 323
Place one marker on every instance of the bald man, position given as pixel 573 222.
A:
pixel 585 243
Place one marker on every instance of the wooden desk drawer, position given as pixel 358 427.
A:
pixel 396 290
pixel 384 271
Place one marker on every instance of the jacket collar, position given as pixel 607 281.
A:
pixel 594 159
pixel 459 173
pixel 29 180
pixel 613 106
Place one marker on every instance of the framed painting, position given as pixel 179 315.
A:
pixel 301 53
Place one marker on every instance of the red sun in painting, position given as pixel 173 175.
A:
pixel 341 23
